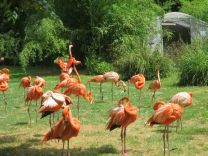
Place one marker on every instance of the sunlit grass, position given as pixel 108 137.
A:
pixel 17 137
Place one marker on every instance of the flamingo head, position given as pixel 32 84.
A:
pixel 70 46
pixel 190 93
pixel 66 113
pixel 47 94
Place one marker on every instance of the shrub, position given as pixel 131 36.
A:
pixel 144 62
pixel 194 67
pixel 43 41
pixel 97 66
pixel 9 46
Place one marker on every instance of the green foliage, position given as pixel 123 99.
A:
pixel 97 65
pixel 194 65
pixel 99 28
pixel 43 40
pixel 145 62
pixel 169 5
pixel 196 8
pixel 9 45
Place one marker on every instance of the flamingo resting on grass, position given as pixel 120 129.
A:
pixel 122 116
pixel 66 128
pixel 165 114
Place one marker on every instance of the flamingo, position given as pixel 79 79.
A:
pixel 4 87
pixel 98 79
pixel 66 77
pixel 184 99
pixel 52 102
pixel 155 85
pixel 108 77
pixel 25 82
pixel 4 78
pixel 122 116
pixel 32 93
pixel 39 81
pixel 66 128
pixel 165 115
pixel 66 66
pixel 139 82
pixel 77 88
pixel 114 78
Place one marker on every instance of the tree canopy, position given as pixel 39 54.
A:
pixel 37 31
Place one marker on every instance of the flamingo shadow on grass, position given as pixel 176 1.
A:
pixel 35 147
pixel 21 123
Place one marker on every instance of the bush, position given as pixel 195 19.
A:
pixel 97 66
pixel 194 66
pixel 144 62
pixel 9 46
pixel 43 41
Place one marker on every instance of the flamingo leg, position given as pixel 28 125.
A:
pixel 122 141
pixel 50 121
pixel 140 93
pixel 125 151
pixel 5 102
pixel 164 140
pixel 62 153
pixel 112 92
pixel 24 93
pixel 53 119
pixel 153 96
pixel 36 112
pixel 101 91
pixel 28 111
pixel 68 153
pixel 167 138
pixel 181 122
pixel 78 107
pixel 128 89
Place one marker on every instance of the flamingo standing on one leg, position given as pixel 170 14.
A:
pixel 32 93
pixel 165 115
pixel 66 128
pixel 155 85
pixel 122 116
pixel 184 99
pixel 51 102
pixel 139 82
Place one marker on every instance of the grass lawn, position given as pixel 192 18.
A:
pixel 18 138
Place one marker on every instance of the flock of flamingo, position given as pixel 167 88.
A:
pixel 121 116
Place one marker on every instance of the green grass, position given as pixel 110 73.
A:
pixel 19 138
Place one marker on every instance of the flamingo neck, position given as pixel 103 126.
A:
pixel 75 69
pixel 158 75
pixel 70 52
